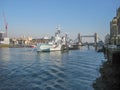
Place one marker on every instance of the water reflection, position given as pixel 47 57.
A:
pixel 56 58
pixel 25 69
pixel 5 54
pixel 53 70
pixel 43 55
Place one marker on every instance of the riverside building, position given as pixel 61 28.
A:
pixel 115 29
pixel 3 40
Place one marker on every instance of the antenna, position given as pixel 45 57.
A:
pixel 6 24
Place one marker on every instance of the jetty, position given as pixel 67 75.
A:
pixel 112 53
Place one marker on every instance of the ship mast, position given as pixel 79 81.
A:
pixel 6 24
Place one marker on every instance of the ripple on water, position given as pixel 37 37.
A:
pixel 27 70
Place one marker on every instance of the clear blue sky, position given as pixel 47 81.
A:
pixel 40 17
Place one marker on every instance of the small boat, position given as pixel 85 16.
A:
pixel 32 46
pixel 99 49
pixel 100 46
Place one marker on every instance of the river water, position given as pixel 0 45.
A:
pixel 25 69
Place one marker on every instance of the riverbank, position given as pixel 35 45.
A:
pixel 13 46
pixel 4 45
pixel 109 79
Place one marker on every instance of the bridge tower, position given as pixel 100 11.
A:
pixel 95 40
pixel 79 38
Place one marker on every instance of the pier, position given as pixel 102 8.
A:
pixel 112 54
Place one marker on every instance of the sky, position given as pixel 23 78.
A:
pixel 38 18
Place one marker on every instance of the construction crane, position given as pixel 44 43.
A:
pixel 6 25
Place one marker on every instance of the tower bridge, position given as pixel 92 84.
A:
pixel 94 36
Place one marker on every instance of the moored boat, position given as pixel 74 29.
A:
pixel 56 43
pixel 32 46
pixel 41 47
pixel 100 46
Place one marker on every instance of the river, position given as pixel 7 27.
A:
pixel 25 69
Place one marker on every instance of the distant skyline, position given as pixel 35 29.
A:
pixel 38 18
